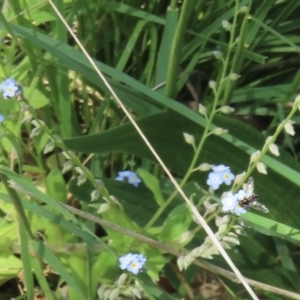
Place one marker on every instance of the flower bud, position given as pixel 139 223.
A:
pixel 81 179
pixel 49 147
pixel 212 84
pixel 95 195
pixel 202 109
pixel 218 54
pixel 289 128
pixel 219 131
pixel 254 156
pixel 226 25
pixel 189 138
pixel 35 132
pixel 226 110
pixel 68 165
pixel 233 76
pixel 261 168
pixel 204 167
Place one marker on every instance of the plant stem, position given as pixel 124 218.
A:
pixel 175 54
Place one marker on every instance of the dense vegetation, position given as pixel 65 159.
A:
pixel 127 144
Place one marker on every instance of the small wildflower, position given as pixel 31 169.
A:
pixel 220 168
pixel 227 177
pixel 214 180
pixel 132 262
pixel 229 202
pixel 10 88
pixel 289 128
pixel 189 139
pixel 1 119
pixel 129 176
pixel 241 195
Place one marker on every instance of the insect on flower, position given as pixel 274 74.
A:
pixel 250 198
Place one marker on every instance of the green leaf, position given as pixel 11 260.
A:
pixel 178 222
pixel 153 184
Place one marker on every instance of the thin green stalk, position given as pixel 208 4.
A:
pixel 175 54
pixel 217 93
pixel 18 205
pixel 173 4
pixel 237 60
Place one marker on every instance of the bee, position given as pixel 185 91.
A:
pixel 252 200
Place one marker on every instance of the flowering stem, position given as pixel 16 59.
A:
pixel 205 134
pixel 265 148
pixel 72 157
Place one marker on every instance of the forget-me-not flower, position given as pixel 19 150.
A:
pixel 229 202
pixel 221 174
pixel 129 176
pixel 10 88
pixel 214 180
pixel 132 262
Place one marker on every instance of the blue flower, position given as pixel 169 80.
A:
pixel 129 176
pixel 227 177
pixel 214 180
pixel 229 202
pixel 241 195
pixel 221 174
pixel 126 260
pixel 220 168
pixel 239 210
pixel 132 262
pixel 10 88
pixel 1 119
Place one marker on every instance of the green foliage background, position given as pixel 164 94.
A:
pixel 158 57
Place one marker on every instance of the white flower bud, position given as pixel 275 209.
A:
pixel 254 156
pixel 219 131
pixel 218 54
pixel 261 168
pixel 202 109
pixel 226 110
pixel 212 84
pixel 226 25
pixel 204 167
pixel 95 194
pixel 122 279
pixel 238 178
pixel 289 128
pixel 49 147
pixel 274 149
pixel 233 76
pixel 68 165
pixel 103 208
pixel 185 238
pixel 244 9
pixel 189 138
pixel 35 132
pixel 27 118
pixel 81 179
pixel 180 262
pixel 297 100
